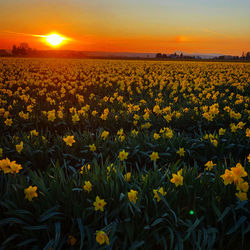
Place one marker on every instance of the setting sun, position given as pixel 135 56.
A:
pixel 54 39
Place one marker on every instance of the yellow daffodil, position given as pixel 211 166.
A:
pixel 154 156
pixel 87 186
pixel 102 237
pixel 99 204
pixel 123 155
pixel 30 192
pixel 177 179
pixel 69 140
pixel 133 195
pixel 156 193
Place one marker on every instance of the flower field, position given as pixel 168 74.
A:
pixel 107 154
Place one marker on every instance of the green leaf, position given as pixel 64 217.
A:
pixel 238 224
pixel 136 244
pixel 40 227
pixel 26 242
pixel 192 228
pixel 156 222
pixel 225 212
pixel 216 210
pixel 49 213
pixel 11 220
pixel 58 233
pixel 49 245
pixel 171 237
pixel 79 221
pixel 12 237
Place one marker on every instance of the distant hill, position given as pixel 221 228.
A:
pixel 103 54
pixel 145 55
pixel 5 52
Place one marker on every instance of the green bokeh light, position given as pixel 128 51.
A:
pixel 191 212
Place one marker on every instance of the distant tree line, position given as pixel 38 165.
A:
pixel 245 56
pixel 175 55
pixel 22 50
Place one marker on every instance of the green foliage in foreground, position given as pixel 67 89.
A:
pixel 201 214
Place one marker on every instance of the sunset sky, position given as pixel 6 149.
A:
pixel 203 26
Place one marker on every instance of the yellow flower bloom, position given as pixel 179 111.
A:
pixel 111 168
pixel 8 122
pixel 92 147
pixel 71 240
pixel 14 168
pixel 209 165
pixel 156 136
pixel 181 152
pixel 104 135
pixel 146 116
pixel 69 140
pixel 169 133
pixel 51 115
pixel 121 138
pixel 85 168
pixel 30 192
pixel 146 125
pixel 156 193
pixel 136 117
pixel 60 114
pixel 243 186
pixel 75 118
pixel 127 176
pixel 240 125
pixel 154 156
pixel 4 165
pixel 227 177
pixel 132 195
pixel 222 131
pixel 248 158
pixel 94 113
pixel 247 132
pixel 123 155
pixel 33 133
pixel 238 171
pixel 168 117
pixel 102 237
pixel 87 186
pixel 177 179
pixel 8 166
pixel 134 132
pixel 99 204
pixel 214 142
pixel 242 196
pixel 233 127
pixel 19 147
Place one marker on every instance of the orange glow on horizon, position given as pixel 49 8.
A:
pixel 187 43
pixel 128 26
